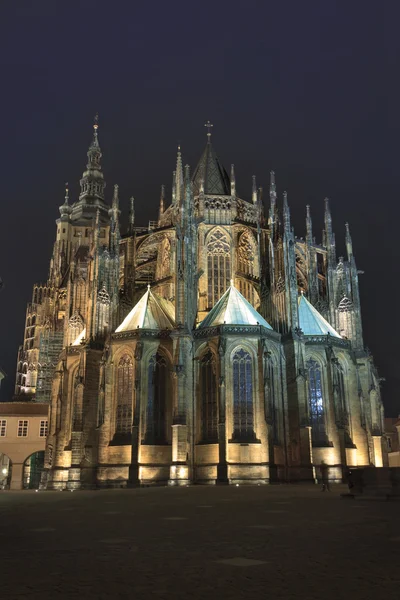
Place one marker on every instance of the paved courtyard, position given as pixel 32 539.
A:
pixel 200 543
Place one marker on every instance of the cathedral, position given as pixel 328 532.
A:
pixel 212 346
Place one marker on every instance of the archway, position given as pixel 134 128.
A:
pixel 5 471
pixel 33 467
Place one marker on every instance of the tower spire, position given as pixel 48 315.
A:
pixel 92 182
pixel 254 190
pixel 114 216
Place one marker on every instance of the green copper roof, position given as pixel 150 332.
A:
pixel 151 312
pixel 311 322
pixel 233 309
pixel 216 180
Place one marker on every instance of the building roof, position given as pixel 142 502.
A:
pixel 24 408
pixel 151 312
pixel 233 309
pixel 209 168
pixel 311 322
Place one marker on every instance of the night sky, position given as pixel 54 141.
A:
pixel 309 89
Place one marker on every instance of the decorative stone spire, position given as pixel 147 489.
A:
pixel 286 212
pixel 308 226
pixel 174 187
pixel 272 190
pixel 349 243
pixel 233 181
pixel 179 190
pixel 114 217
pixel 329 235
pixel 131 215
pixel 254 190
pixel 65 209
pixel 162 203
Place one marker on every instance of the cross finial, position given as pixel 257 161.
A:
pixel 96 122
pixel 208 125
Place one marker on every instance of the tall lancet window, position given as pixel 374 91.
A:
pixel 243 411
pixel 208 398
pixel 218 265
pixel 124 395
pixel 316 401
pixel 158 400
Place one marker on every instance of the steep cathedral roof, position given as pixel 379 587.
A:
pixel 233 309
pixel 311 322
pixel 209 169
pixel 151 312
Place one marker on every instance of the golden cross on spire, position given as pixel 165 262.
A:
pixel 96 122
pixel 208 125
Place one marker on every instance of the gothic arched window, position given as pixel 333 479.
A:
pixel 243 412
pixel 158 396
pixel 208 398
pixel 316 401
pixel 218 265
pixel 124 395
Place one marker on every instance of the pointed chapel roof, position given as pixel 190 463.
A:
pixel 209 169
pixel 311 321
pixel 233 309
pixel 151 312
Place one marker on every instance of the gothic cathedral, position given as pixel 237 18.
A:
pixel 212 346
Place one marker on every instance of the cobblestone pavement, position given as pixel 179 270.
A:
pixel 200 543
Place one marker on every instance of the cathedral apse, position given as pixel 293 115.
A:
pixel 210 346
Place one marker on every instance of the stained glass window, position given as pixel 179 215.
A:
pixel 208 399
pixel 124 395
pixel 218 265
pixel 243 414
pixel 316 401
pixel 159 390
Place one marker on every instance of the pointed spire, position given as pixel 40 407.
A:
pixel 173 187
pixel 349 243
pixel 233 181
pixel 131 215
pixel 286 212
pixel 92 182
pixel 328 217
pixel 115 200
pixel 209 127
pixel 114 216
pixel 66 209
pixel 162 203
pixel 308 226
pixel 272 190
pixel 179 177
pixel 254 190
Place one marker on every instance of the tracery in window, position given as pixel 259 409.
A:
pixel 218 265
pixel 247 254
pixel 124 395
pixel 316 401
pixel 208 398
pixel 243 412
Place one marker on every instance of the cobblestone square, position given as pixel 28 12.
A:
pixel 199 542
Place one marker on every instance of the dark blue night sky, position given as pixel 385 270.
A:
pixel 309 89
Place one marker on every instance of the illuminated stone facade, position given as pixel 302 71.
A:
pixel 212 346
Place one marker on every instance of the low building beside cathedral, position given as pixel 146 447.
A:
pixel 212 346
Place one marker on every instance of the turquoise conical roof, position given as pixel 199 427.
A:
pixel 151 312
pixel 311 322
pixel 233 309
